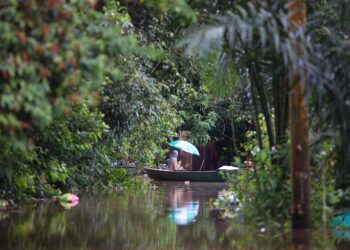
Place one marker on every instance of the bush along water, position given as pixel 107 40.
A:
pixel 72 155
pixel 55 55
pixel 78 94
pixel 81 109
pixel 260 191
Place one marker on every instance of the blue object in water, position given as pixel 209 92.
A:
pixel 340 234
pixel 341 220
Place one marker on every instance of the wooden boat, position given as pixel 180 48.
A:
pixel 199 176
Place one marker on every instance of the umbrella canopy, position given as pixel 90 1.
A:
pixel 185 146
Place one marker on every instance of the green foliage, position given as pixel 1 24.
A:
pixel 156 98
pixel 262 191
pixel 71 155
pixel 200 126
pixel 140 117
pixel 329 88
pixel 326 197
pixel 251 143
pixel 182 82
pixel 145 108
pixel 218 74
pixel 42 63
pixel 75 141
pixel 78 133
pixel 179 9
pixel 25 184
pixel 54 55
pixel 187 92
pixel 257 39
pixel 53 60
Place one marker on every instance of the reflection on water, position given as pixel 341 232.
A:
pixel 301 239
pixel 186 214
pixel 174 216
pixel 68 205
pixel 183 209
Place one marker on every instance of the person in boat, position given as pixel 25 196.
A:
pixel 173 164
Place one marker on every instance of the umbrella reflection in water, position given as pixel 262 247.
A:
pixel 183 209
pixel 186 214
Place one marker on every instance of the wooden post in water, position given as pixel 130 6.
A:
pixel 298 112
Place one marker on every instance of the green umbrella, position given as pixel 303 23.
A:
pixel 185 146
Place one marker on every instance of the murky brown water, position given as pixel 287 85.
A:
pixel 173 216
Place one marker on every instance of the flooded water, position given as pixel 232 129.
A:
pixel 172 216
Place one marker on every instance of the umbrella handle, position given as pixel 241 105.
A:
pixel 202 164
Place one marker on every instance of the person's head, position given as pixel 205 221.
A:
pixel 174 154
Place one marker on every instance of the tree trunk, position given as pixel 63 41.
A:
pixel 298 112
pixel 232 123
pixel 257 80
pixel 280 97
pixel 256 115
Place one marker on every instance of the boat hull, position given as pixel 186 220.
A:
pixel 199 176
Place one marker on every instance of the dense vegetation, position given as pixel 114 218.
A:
pixel 87 98
pixel 88 92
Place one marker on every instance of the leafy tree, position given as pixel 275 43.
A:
pixel 255 39
pixel 55 55
pixel 141 119
pixel 329 89
pixel 177 77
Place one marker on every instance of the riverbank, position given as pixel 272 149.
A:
pixel 138 182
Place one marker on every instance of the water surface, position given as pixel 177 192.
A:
pixel 172 216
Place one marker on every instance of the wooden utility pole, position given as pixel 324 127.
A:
pixel 298 112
